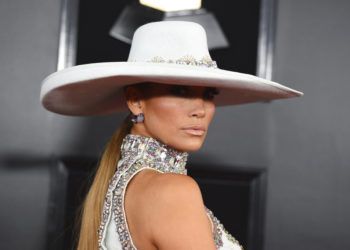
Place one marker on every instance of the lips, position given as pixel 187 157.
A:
pixel 195 130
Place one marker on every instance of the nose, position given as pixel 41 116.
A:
pixel 198 107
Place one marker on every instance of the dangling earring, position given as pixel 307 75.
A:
pixel 137 118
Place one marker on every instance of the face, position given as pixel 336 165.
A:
pixel 176 115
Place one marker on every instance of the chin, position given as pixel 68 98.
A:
pixel 189 144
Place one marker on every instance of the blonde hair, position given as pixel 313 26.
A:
pixel 90 213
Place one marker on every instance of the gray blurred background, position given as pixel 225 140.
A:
pixel 304 142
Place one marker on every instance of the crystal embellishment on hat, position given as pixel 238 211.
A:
pixel 206 61
pixel 188 60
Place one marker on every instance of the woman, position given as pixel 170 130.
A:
pixel 141 196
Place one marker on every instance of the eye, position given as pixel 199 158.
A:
pixel 179 90
pixel 210 93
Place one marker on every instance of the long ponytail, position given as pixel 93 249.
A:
pixel 89 217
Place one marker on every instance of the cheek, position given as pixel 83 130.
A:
pixel 165 111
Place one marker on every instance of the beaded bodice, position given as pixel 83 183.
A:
pixel 138 153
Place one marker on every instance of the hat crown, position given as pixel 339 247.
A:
pixel 169 40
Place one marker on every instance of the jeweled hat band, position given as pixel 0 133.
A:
pixel 205 61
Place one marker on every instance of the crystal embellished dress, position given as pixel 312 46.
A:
pixel 138 153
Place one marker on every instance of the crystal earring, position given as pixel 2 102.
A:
pixel 137 118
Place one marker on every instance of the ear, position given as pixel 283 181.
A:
pixel 133 99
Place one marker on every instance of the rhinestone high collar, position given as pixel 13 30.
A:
pixel 155 153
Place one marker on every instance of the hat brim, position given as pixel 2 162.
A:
pixel 97 89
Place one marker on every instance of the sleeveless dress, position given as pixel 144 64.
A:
pixel 138 153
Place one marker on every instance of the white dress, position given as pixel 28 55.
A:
pixel 138 153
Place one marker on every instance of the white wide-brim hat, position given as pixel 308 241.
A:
pixel 169 52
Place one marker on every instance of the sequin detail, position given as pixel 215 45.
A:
pixel 217 232
pixel 138 153
pixel 219 229
pixel 205 61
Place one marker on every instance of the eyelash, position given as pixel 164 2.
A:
pixel 211 93
pixel 182 91
pixel 179 90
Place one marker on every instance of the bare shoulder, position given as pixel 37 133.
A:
pixel 177 214
pixel 169 186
